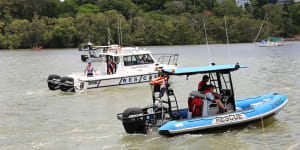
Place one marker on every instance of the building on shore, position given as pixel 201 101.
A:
pixel 241 3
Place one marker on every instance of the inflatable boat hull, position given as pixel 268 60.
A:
pixel 249 110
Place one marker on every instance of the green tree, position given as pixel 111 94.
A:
pixel 227 8
pixel 37 32
pixel 64 33
pixel 175 7
pixel 17 34
pixel 257 8
pixel 126 7
pixel 274 15
pixel 295 13
pixel 88 8
pixel 68 8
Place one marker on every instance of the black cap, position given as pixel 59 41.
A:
pixel 205 77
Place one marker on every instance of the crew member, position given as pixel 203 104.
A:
pixel 89 70
pixel 209 93
pixel 163 86
pixel 110 67
pixel 203 84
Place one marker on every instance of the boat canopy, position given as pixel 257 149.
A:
pixel 203 69
pixel 274 38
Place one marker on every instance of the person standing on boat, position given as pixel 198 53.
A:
pixel 89 70
pixel 203 84
pixel 163 86
pixel 209 93
pixel 110 67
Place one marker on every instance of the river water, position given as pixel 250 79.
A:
pixel 32 117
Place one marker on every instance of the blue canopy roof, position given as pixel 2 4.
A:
pixel 204 69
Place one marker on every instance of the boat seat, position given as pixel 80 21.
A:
pixel 198 94
pixel 213 104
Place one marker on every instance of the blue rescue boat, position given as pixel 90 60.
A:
pixel 165 115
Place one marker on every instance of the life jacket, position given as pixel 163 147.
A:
pixel 200 85
pixel 195 106
pixel 111 65
pixel 206 91
pixel 163 84
pixel 90 69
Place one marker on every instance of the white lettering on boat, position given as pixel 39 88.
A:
pixel 229 118
pixel 179 125
pixel 277 103
pixel 137 79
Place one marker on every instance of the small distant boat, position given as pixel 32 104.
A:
pixel 37 48
pixel 87 47
pixel 271 42
pixel 165 115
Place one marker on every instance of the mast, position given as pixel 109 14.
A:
pixel 108 33
pixel 119 32
pixel 259 30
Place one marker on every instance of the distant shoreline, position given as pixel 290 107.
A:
pixel 210 43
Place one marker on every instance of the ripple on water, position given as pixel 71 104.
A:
pixel 32 117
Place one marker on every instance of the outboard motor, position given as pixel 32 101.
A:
pixel 54 82
pixel 134 120
pixel 67 84
pixel 84 58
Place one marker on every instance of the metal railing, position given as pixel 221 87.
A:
pixel 169 59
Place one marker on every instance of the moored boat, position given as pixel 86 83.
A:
pixel 271 42
pixel 165 114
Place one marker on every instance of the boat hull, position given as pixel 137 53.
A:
pixel 113 80
pixel 251 109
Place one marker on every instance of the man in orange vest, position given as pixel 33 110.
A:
pixel 89 70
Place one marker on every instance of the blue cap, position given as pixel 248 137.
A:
pixel 89 61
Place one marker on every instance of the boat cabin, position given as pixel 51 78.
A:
pixel 132 60
pixel 219 77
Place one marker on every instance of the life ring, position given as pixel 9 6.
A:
pixel 158 80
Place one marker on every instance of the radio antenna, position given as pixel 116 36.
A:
pixel 208 49
pixel 228 49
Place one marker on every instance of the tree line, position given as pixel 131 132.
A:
pixel 70 23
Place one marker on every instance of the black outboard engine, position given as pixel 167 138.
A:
pixel 84 58
pixel 54 82
pixel 67 84
pixel 134 120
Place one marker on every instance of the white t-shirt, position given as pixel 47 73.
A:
pixel 209 96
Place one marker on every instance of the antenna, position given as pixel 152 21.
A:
pixel 209 56
pixel 108 33
pixel 228 49
pixel 119 30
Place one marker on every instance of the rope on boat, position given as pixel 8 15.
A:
pixel 228 49
pixel 263 130
pixel 209 55
pixel 259 30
